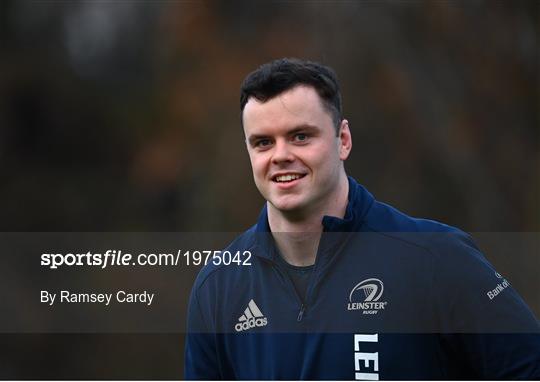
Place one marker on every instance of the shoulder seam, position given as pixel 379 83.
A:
pixel 400 239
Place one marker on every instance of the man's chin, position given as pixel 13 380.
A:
pixel 287 206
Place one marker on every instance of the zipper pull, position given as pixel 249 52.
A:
pixel 301 313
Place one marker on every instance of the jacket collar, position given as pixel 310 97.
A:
pixel 360 201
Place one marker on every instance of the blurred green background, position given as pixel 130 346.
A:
pixel 124 116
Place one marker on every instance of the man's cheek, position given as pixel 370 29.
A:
pixel 261 185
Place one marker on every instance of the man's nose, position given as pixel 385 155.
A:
pixel 282 152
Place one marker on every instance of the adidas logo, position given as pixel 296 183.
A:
pixel 251 318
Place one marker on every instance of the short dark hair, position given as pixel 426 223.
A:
pixel 278 76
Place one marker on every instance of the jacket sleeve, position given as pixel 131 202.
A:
pixel 486 324
pixel 200 358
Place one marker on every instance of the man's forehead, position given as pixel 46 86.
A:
pixel 301 103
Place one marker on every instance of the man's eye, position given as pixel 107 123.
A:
pixel 263 143
pixel 300 137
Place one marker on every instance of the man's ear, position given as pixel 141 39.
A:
pixel 345 140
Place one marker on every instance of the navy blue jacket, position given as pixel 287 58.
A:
pixel 390 297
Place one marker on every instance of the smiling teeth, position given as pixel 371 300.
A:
pixel 287 178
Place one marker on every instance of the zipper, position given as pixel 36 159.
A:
pixel 314 279
pixel 301 313
pixel 301 302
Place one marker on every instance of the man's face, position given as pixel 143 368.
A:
pixel 296 157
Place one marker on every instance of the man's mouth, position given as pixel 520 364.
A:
pixel 285 178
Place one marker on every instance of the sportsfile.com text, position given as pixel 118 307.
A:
pixel 120 258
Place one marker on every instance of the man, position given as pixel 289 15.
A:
pixel 341 286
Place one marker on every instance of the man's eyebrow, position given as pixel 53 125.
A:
pixel 303 127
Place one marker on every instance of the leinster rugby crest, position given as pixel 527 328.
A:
pixel 366 296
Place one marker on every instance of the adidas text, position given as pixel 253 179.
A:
pixel 251 323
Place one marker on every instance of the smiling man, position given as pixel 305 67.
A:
pixel 297 155
pixel 339 285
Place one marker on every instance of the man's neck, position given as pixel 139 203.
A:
pixel 297 236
